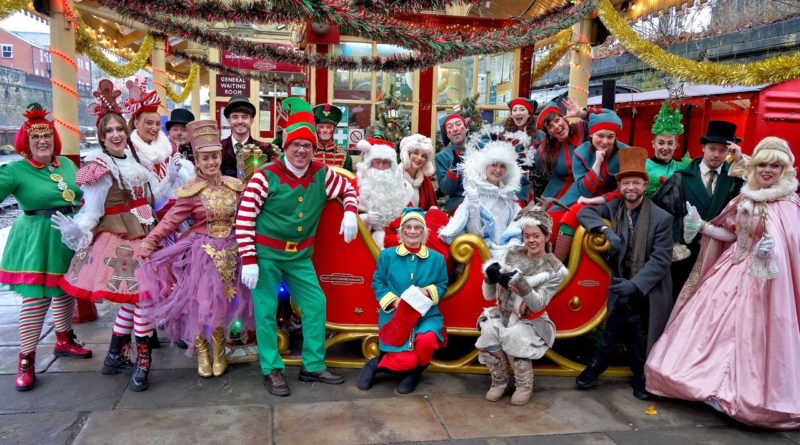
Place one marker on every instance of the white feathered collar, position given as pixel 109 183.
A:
pixel 127 172
pixel 782 189
pixel 153 153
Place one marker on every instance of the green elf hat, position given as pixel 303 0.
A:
pixel 605 120
pixel 300 123
pixel 327 113
pixel 667 121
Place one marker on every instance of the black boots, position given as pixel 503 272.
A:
pixel 117 358
pixel 139 380
pixel 368 372
pixel 410 381
pixel 596 366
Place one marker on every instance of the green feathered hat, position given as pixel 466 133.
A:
pixel 667 121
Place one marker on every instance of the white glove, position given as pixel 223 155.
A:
pixel 250 275
pixel 691 223
pixel 349 227
pixel 72 234
pixel 765 246
pixel 370 217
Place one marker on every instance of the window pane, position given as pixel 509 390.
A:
pixel 357 115
pixel 402 83
pixel 496 78
pixel 352 84
pixel 454 82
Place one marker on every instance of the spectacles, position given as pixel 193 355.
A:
pixel 303 146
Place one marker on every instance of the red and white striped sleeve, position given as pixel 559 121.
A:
pixel 252 200
pixel 337 186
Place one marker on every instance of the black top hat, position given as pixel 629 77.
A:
pixel 238 103
pixel 179 116
pixel 720 132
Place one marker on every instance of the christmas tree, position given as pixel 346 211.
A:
pixel 468 108
pixel 391 125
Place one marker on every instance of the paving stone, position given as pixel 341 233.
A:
pixel 79 391
pixel 9 357
pixel 792 435
pixel 736 435
pixel 181 388
pixel 8 298
pixel 93 332
pixel 93 364
pixel 563 439
pixel 670 412
pixel 9 335
pixel 42 428
pixel 9 314
pixel 204 425
pixel 549 412
pixel 390 420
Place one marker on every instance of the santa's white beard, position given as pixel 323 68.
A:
pixel 382 191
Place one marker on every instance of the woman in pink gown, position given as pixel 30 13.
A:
pixel 733 340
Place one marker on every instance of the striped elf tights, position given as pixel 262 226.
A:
pixel 131 318
pixel 31 319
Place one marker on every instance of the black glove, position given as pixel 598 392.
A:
pixel 623 287
pixel 505 278
pixel 493 273
pixel 612 238
pixel 457 159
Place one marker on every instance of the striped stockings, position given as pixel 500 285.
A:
pixel 130 318
pixel 31 319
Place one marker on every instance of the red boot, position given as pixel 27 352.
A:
pixel 26 371
pixel 66 346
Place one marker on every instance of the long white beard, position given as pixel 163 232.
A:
pixel 382 191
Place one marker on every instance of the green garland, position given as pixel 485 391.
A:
pixel 384 6
pixel 381 28
pixel 544 28
pixel 254 75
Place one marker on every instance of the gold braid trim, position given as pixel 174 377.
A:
pixel 769 71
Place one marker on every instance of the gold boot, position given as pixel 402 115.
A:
pixel 203 360
pixel 218 344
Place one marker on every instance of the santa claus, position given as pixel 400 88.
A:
pixel 382 191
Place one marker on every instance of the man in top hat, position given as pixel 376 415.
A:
pixel 448 160
pixel 705 184
pixel 327 117
pixel 176 126
pixel 275 228
pixel 240 114
pixel 640 294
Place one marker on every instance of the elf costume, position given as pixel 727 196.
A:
pixel 667 122
pixel 275 227
pixel 35 258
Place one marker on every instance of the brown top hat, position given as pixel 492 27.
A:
pixel 632 162
pixel 204 136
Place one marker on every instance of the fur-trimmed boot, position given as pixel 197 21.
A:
pixel 117 357
pixel 139 381
pixel 410 381
pixel 523 380
pixel 498 369
pixel 218 348
pixel 203 357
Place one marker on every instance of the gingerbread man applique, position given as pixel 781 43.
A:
pixel 124 265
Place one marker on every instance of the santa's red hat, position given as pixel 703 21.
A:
pixel 373 148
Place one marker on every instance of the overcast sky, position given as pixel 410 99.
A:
pixel 22 22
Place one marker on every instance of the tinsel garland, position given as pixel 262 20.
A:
pixel 543 27
pixel 8 7
pixel 384 6
pixel 85 43
pixel 380 27
pixel 769 71
pixel 194 74
pixel 254 75
pixel 562 45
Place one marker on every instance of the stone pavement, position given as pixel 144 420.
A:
pixel 73 403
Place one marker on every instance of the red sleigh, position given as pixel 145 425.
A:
pixel 345 274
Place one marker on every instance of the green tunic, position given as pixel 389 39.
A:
pixel 659 172
pixel 34 258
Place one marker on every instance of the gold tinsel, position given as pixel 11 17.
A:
pixel 85 43
pixel 562 45
pixel 769 71
pixel 8 7
pixel 194 73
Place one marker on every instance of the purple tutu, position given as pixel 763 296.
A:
pixel 188 286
